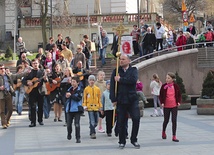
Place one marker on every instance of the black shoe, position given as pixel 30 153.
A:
pixel 55 119
pixel 32 125
pixel 109 134
pixel 59 120
pixel 136 145
pixel 41 123
pixel 69 137
pixel 121 146
pixel 78 141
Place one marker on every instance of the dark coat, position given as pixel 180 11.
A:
pixel 149 40
pixel 126 87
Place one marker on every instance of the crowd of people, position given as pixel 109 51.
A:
pixel 147 39
pixel 59 76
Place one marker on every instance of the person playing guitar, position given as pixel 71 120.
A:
pixel 19 91
pixel 56 96
pixel 82 74
pixel 34 83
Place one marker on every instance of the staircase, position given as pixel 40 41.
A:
pixel 206 57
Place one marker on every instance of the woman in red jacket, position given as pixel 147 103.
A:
pixel 170 98
pixel 181 41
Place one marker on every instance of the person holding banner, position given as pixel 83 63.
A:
pixel 126 99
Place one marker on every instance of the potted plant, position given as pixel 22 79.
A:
pixel 205 104
pixel 184 105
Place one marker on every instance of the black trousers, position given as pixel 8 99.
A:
pixel 76 117
pixel 167 112
pixel 109 118
pixel 136 47
pixel 36 100
pixel 134 111
pixel 159 42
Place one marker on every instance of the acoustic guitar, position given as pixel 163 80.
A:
pixel 18 85
pixel 35 82
pixel 51 86
pixel 81 75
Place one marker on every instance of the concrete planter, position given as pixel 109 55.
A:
pixel 184 106
pixel 205 106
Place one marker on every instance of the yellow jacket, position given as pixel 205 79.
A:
pixel 91 98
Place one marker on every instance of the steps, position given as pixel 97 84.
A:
pixel 206 57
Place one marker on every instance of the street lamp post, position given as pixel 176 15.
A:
pixel 14 39
pixel 51 26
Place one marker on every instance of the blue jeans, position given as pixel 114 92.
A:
pixel 156 101
pixel 102 55
pixel 19 100
pixel 46 106
pixel 93 120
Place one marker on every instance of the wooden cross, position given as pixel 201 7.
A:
pixel 120 29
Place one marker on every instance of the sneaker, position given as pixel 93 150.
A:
pixel 93 136
pixel 4 127
pixel 121 146
pixel 154 115
pixel 101 130
pixel 136 145
pixel 146 102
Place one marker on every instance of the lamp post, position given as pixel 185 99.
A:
pixel 138 12
pixel 51 26
pixel 14 39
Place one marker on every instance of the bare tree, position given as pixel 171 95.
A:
pixel 173 9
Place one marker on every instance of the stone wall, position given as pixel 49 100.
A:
pixel 184 62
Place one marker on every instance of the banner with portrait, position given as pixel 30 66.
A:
pixel 126 45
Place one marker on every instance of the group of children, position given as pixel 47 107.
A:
pixel 95 100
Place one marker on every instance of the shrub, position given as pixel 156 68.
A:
pixel 9 53
pixel 208 86
pixel 180 83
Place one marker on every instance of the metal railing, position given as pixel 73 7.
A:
pixel 172 49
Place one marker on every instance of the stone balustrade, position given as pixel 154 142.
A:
pixel 83 20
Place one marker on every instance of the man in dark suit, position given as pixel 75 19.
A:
pixel 114 47
pixel 149 43
pixel 126 99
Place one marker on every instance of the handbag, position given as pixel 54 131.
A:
pixel 80 109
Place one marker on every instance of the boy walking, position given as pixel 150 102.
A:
pixel 107 108
pixel 92 104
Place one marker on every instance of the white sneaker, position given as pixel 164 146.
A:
pixel 154 115
pixel 101 130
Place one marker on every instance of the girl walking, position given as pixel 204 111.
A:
pixel 170 98
pixel 155 86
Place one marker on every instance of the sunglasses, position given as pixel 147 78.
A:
pixel 2 68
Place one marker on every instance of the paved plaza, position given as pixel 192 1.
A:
pixel 196 135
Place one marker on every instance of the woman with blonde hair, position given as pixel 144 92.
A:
pixel 65 85
pixel 155 86
pixel 56 95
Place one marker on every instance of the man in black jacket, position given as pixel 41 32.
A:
pixel 35 95
pixel 126 99
pixel 149 43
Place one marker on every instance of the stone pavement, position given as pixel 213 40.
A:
pixel 196 135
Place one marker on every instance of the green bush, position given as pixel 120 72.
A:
pixel 9 53
pixel 180 83
pixel 208 86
